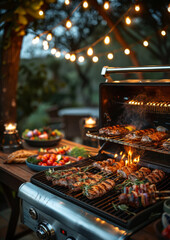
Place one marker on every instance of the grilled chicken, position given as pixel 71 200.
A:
pixel 125 171
pixel 109 166
pixel 99 189
pixel 155 176
pixel 50 174
pixel 140 174
pixel 166 144
pixel 102 164
pixel 138 134
pixel 154 137
pixel 116 130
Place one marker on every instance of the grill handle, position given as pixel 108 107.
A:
pixel 106 71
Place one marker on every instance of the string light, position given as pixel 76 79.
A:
pixel 58 54
pixel 127 51
pixel 128 20
pixel 53 51
pixel 90 52
pixel 110 56
pixel 85 4
pixel 45 43
pixel 68 24
pixel 46 46
pixel 107 40
pixel 41 13
pixel 35 40
pixel 106 5
pixel 67 56
pixel 145 43
pixel 137 8
pixel 67 2
pixel 81 59
pixel 73 58
pixel 163 33
pixel 49 36
pixel 95 59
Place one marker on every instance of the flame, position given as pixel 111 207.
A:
pixel 10 126
pixel 116 155
pixel 90 122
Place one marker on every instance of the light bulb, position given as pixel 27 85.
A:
pixel 137 8
pixel 68 24
pixel 168 8
pixel 145 43
pixel 127 51
pixel 110 56
pixel 73 58
pixel 85 4
pixel 95 59
pixel 35 40
pixel 81 59
pixel 58 54
pixel 107 40
pixel 49 36
pixel 53 51
pixel 106 5
pixel 67 2
pixel 41 13
pixel 67 56
pixel 90 52
pixel 128 20
pixel 163 32
pixel 45 43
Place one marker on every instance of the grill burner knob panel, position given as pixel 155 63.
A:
pixel 45 231
pixel 33 213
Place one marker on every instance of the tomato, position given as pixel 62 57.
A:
pixel 39 157
pixel 62 162
pixel 49 162
pixel 166 232
pixel 55 164
pixel 40 163
pixel 44 164
pixel 79 158
pixel 66 158
pixel 52 158
pixel 44 159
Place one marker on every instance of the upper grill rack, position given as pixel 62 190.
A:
pixel 120 140
pixel 103 206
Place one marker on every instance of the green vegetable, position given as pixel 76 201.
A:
pixel 79 151
pixel 33 160
pixel 122 207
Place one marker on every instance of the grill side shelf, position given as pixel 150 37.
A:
pixel 122 141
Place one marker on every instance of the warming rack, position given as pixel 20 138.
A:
pixel 120 140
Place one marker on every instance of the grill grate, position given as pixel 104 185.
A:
pixel 103 206
pixel 136 144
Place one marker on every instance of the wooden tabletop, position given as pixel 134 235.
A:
pixel 15 174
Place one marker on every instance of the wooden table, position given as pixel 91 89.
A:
pixel 13 175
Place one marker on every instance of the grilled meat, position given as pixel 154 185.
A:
pixel 116 130
pixel 125 171
pixel 140 174
pixel 166 144
pixel 154 137
pixel 103 164
pixel 138 134
pixel 98 190
pixel 155 176
pixel 50 174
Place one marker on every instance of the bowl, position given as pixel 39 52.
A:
pixel 43 143
pixel 38 168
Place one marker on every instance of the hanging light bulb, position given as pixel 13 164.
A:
pixel 128 20
pixel 90 51
pixel 95 59
pixel 45 46
pixel 137 7
pixel 110 56
pixel 67 2
pixel 81 59
pixel 45 43
pixel 35 40
pixel 163 33
pixel 68 24
pixel 73 58
pixel 41 13
pixel 127 51
pixel 67 56
pixel 49 37
pixel 106 5
pixel 145 43
pixel 53 51
pixel 107 40
pixel 85 4
pixel 58 54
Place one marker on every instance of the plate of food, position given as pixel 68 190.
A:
pixel 45 161
pixel 42 137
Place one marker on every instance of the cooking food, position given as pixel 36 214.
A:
pixel 50 174
pixel 20 156
pixel 41 134
pixel 109 166
pixel 138 134
pixel 155 176
pixel 99 189
pixel 154 137
pixel 116 130
pixel 166 144
pixel 125 171
pixel 140 174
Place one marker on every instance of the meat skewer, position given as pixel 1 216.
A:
pixel 116 130
pixel 109 166
pixel 138 134
pixel 154 137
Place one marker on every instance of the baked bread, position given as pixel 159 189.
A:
pixel 20 156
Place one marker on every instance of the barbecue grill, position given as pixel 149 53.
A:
pixel 54 212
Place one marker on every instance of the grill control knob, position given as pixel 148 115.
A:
pixel 33 213
pixel 45 231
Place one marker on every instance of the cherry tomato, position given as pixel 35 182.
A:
pixel 39 157
pixel 49 162
pixel 62 162
pixel 80 158
pixel 40 163
pixel 55 164
pixel 44 159
pixel 166 232
pixel 65 158
pixel 44 164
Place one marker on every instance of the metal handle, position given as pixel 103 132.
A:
pixel 107 70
